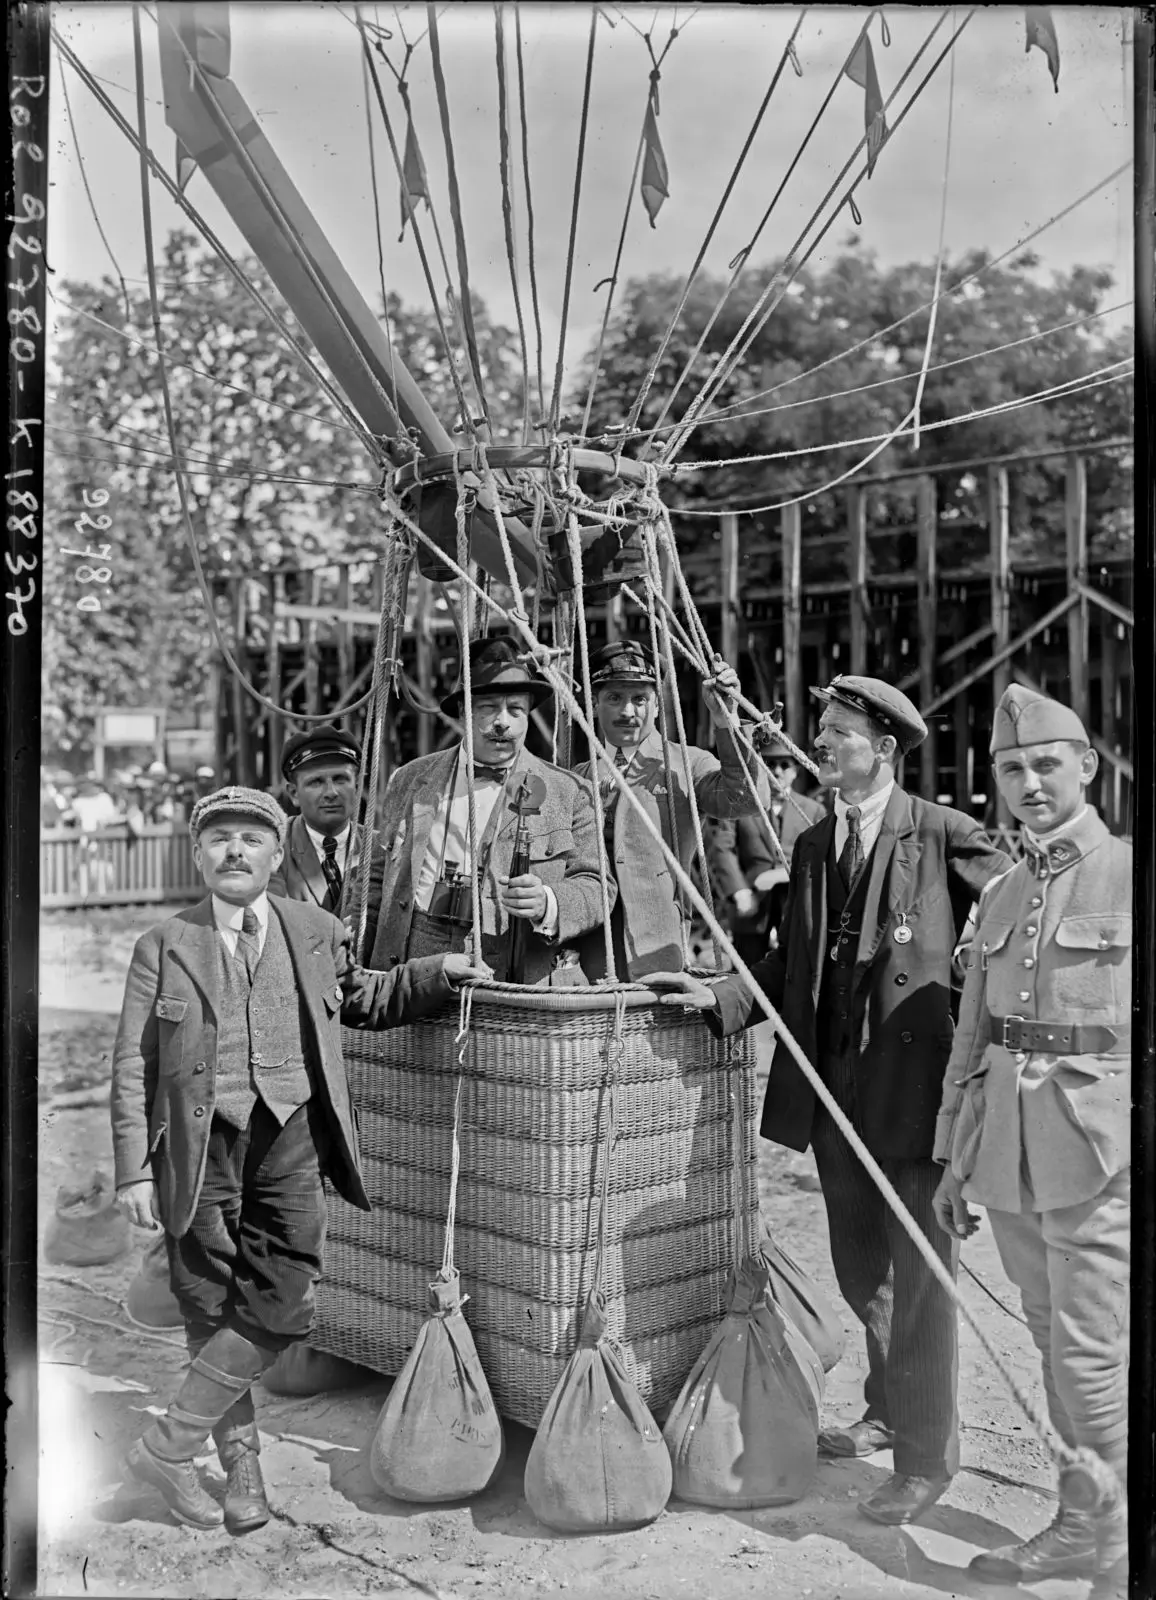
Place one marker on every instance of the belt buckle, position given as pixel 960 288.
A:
pixel 1004 1040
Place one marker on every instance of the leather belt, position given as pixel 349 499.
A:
pixel 1062 1038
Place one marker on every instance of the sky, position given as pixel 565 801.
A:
pixel 1018 151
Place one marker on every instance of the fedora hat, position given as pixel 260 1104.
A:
pixel 496 666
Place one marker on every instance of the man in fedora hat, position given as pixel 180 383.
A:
pixel 647 922
pixel 426 900
pixel 229 1107
pixel 879 893
pixel 323 845
pixel 1035 1119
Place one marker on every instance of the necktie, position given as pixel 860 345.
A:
pixel 332 874
pixel 851 855
pixel 609 787
pixel 248 941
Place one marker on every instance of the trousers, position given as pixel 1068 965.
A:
pixel 1071 1267
pixel 908 1318
pixel 253 1253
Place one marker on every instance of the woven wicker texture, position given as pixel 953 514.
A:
pixel 534 1112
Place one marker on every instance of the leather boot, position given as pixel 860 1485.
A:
pixel 239 1449
pixel 1064 1549
pixel 178 1485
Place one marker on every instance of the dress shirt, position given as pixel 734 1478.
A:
pixel 343 841
pixel 454 814
pixel 870 820
pixel 228 920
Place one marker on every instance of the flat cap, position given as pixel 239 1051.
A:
pixel 238 802
pixel 882 702
pixel 1024 717
pixel 319 744
pixel 622 661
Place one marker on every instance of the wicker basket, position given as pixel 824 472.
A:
pixel 533 1120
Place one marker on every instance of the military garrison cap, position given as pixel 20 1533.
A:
pixel 1024 717
pixel 622 661
pixel 238 802
pixel 882 702
pixel 320 744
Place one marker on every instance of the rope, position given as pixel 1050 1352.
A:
pixel 508 212
pixel 462 1040
pixel 991 1295
pixel 664 732
pixel 656 359
pixel 529 207
pixel 377 221
pixel 556 397
pixel 614 1053
pixel 938 255
pixel 613 280
pixel 468 741
pixel 92 201
pixel 467 307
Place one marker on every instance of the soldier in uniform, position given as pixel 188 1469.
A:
pixel 1034 1122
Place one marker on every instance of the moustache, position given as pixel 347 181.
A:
pixel 236 866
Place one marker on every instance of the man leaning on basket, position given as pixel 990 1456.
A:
pixel 1035 1119
pixel 229 1106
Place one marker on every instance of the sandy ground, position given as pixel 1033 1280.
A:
pixel 333 1533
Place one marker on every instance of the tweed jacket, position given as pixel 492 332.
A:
pixel 563 853
pixel 1036 1131
pixel 738 849
pixel 652 908
pixel 299 877
pixel 165 1060
pixel 929 864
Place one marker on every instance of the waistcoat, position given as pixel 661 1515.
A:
pixel 260 1047
pixel 840 1026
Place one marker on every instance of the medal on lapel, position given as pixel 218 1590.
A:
pixel 903 934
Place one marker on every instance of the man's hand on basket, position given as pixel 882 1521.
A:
pixel 459 969
pixel 686 991
pixel 524 896
pixel 138 1202
pixel 719 692
pixel 951 1210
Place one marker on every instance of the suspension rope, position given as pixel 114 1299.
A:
pixel 92 200
pixel 365 85
pixel 508 210
pixel 938 253
pixel 664 733
pixel 615 1050
pixel 462 1040
pixel 556 397
pixel 656 359
pixel 612 280
pixel 529 208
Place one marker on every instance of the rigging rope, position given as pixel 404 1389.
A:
pixel 91 198
pixel 365 85
pixel 529 208
pixel 508 211
pixel 556 397
pixel 938 254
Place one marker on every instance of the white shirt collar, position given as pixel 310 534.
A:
pixel 1046 838
pixel 318 839
pixel 230 916
pixel 870 810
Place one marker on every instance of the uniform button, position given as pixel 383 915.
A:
pixel 1025 994
pixel 198 1111
pixel 1031 931
pixel 906 1037
pixel 1029 961
pixel 1036 901
pixel 901 978
pixel 256 1061
pixel 842 1013
pixel 200 1067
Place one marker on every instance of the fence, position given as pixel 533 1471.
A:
pixel 114 867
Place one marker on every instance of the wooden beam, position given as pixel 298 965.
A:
pixel 857 576
pixel 1110 796
pixel 791 525
pixel 926 539
pixel 999 544
pixel 729 629
pixel 1009 649
pixel 1076 530
pixel 960 648
pixel 1112 607
pixel 350 616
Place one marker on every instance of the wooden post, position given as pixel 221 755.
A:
pixel 999 532
pixel 240 698
pixel 423 605
pixel 614 620
pixel 344 635
pixel 729 640
pixel 794 711
pixel 276 591
pixel 1109 779
pixel 857 574
pixel 928 624
pixel 309 645
pixel 1076 525
pixel 962 730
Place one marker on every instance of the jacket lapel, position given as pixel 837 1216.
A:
pixel 424 809
pixel 815 848
pixel 893 865
pixel 194 948
pixel 305 859
pixel 303 949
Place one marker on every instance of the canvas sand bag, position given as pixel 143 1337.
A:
pixel 802 1301
pixel 744 1430
pixel 438 1436
pixel 150 1301
pixel 87 1228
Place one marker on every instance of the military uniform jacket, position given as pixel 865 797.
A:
pixel 928 865
pixel 652 906
pixel 1053 943
pixel 563 854
pixel 299 877
pixel 165 1057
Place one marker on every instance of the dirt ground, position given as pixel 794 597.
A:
pixel 333 1533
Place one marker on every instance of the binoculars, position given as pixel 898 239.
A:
pixel 450 900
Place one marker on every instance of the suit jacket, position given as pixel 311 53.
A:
pixel 928 865
pixel 563 853
pixel 652 907
pixel 165 1057
pixel 1061 1120
pixel 299 877
pixel 738 849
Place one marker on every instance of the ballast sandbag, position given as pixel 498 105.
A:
pixel 598 1463
pixel 438 1436
pixel 744 1430
pixel 804 1303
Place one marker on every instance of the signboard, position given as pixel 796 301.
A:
pixel 129 727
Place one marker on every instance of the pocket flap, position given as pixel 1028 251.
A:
pixel 544 846
pixel 171 1009
pixel 993 938
pixel 1099 931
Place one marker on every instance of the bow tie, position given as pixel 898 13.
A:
pixel 497 774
